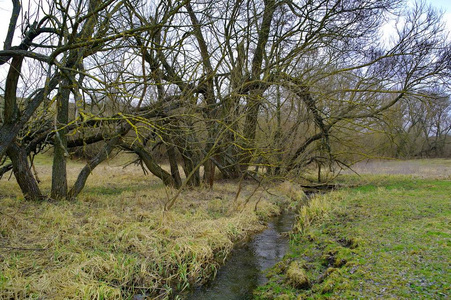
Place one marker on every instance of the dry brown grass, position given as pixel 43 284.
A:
pixel 422 168
pixel 116 241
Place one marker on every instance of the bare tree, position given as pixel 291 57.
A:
pixel 224 84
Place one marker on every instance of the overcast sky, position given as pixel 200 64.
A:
pixel 442 4
pixel 6 6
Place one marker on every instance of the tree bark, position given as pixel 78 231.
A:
pixel 17 153
pixel 103 154
pixel 190 163
pixel 208 92
pixel 59 171
pixel 175 173
pixel 9 131
pixel 23 174
pixel 153 167
pixel 255 94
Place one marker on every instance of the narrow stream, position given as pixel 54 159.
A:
pixel 244 269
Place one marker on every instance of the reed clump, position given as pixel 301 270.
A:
pixel 317 209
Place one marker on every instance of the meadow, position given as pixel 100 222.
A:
pixel 383 236
pixel 389 237
pixel 116 241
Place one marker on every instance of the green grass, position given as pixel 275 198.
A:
pixel 389 238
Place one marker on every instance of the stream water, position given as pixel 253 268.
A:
pixel 244 269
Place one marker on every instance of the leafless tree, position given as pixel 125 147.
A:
pixel 220 84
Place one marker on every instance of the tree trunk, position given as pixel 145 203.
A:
pixel 187 146
pixel 9 131
pixel 23 174
pixel 250 129
pixel 175 173
pixel 153 167
pixel 191 170
pixel 59 171
pixel 86 171
pixel 17 153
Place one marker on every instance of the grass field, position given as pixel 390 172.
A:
pixel 422 168
pixel 116 241
pixel 389 238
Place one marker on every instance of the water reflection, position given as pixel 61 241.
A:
pixel 244 270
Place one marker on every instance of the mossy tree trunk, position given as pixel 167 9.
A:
pixel 22 171
pixel 154 167
pixel 175 173
pixel 101 156
pixel 59 172
pixel 16 152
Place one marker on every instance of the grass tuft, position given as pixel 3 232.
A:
pixel 296 276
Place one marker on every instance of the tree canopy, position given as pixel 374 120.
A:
pixel 224 84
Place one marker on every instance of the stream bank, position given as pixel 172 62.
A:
pixel 245 268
